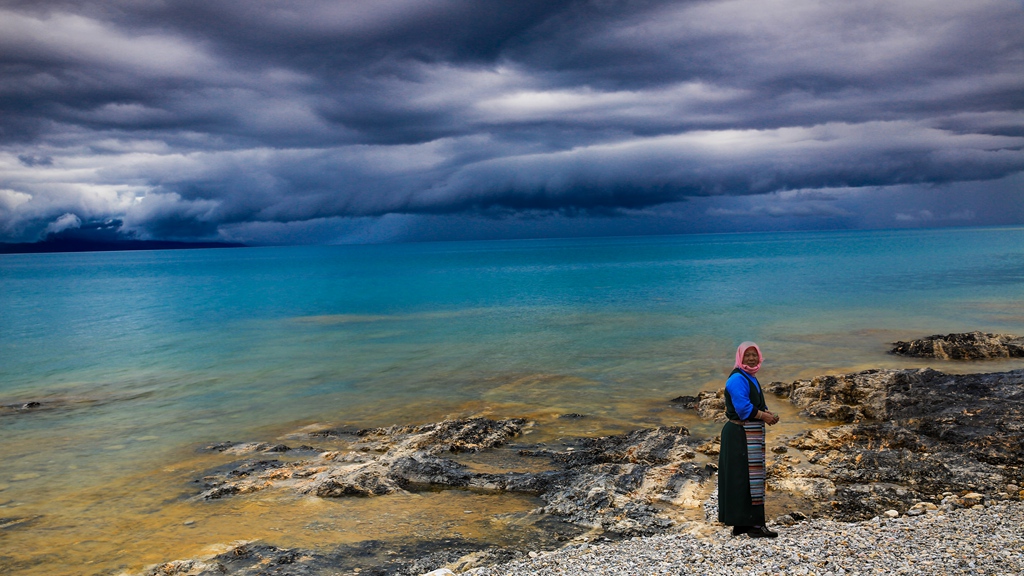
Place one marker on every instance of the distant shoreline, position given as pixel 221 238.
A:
pixel 74 245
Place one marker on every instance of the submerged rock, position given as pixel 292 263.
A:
pixel 962 346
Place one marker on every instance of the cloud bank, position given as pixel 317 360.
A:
pixel 342 121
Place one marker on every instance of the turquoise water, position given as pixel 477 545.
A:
pixel 276 335
pixel 138 357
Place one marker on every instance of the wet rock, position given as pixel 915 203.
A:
pixel 380 461
pixel 688 402
pixel 709 405
pixel 711 447
pixel 13 522
pixel 246 559
pixel 22 406
pixel 647 446
pixel 612 483
pixel 454 436
pixel 252 448
pixel 962 346
pixel 615 483
pixel 420 471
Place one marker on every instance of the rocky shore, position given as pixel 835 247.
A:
pixel 964 542
pixel 967 541
pixel 627 485
pixel 917 471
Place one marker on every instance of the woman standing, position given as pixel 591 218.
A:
pixel 741 462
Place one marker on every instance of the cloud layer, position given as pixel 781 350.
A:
pixel 320 120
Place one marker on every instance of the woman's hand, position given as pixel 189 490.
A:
pixel 769 418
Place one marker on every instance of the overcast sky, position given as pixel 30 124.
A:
pixel 315 121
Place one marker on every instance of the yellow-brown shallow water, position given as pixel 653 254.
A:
pixel 122 524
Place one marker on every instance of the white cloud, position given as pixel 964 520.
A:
pixel 65 222
pixel 61 36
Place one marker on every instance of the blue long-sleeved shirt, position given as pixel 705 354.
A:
pixel 739 392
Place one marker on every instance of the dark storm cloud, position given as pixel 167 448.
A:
pixel 201 119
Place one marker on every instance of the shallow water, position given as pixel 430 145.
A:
pixel 139 359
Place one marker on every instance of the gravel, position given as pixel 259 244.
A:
pixel 985 540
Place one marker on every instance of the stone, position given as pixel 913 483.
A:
pixel 972 498
pixel 785 520
pixel 891 513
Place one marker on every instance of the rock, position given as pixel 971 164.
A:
pixel 891 514
pixel 972 499
pixel 17 521
pixel 709 405
pixel 610 483
pixel 383 461
pixel 689 402
pixel 911 434
pixel 250 558
pixel 962 346
pixel 244 558
pixel 441 572
pixel 813 488
pixel 470 435
pixel 711 447
pixel 712 405
pixel 982 413
pixel 785 520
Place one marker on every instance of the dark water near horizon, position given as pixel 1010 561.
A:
pixel 138 358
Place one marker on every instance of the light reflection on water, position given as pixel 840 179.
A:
pixel 138 360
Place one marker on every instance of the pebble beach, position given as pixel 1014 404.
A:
pixel 985 540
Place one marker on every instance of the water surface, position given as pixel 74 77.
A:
pixel 140 358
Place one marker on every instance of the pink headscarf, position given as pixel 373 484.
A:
pixel 739 358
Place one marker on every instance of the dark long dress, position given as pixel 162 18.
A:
pixel 734 502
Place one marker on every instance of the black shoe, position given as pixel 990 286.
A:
pixel 737 530
pixel 761 532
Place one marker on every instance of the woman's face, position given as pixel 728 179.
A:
pixel 750 357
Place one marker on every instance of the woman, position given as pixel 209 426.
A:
pixel 742 457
